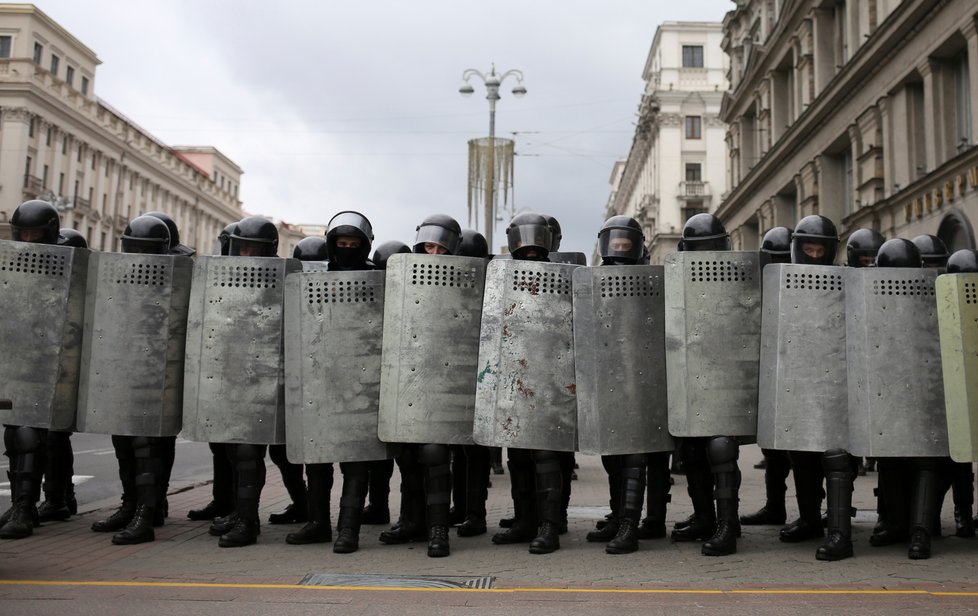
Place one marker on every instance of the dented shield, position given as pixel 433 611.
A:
pixel 526 386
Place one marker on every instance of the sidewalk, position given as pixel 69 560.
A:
pixel 184 552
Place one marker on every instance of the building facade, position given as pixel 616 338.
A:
pixel 676 165
pixel 61 143
pixel 858 110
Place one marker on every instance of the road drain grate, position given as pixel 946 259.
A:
pixel 398 581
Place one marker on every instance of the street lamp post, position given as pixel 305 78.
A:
pixel 492 81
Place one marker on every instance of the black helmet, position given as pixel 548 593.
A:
pixel 898 252
pixel 254 236
pixel 555 234
pixel 704 232
pixel 176 248
pixel 35 221
pixel 473 244
pixel 932 250
pixel 620 241
pixel 963 261
pixel 385 250
pixel 817 232
pixel 441 230
pixel 224 238
pixel 863 243
pixel 310 249
pixel 776 245
pixel 72 238
pixel 529 232
pixel 349 224
pixel 147 235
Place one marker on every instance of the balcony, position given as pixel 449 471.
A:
pixel 694 189
pixel 33 186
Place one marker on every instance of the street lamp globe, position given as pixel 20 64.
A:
pixel 466 90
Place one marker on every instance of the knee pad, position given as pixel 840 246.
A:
pixel 721 450
pixel 836 461
pixel 434 455
pixel 28 440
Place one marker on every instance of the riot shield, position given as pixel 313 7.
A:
pixel 803 402
pixel 133 346
pixel 525 387
pixel 713 327
pixel 570 258
pixel 42 306
pixel 431 348
pixel 334 324
pixel 620 362
pixel 896 386
pixel 234 389
pixel 957 313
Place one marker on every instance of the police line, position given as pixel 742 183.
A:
pixel 342 366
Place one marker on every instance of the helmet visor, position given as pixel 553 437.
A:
pixel 620 243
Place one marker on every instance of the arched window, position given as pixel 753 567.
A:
pixel 956 231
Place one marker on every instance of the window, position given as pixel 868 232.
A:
pixel 27 171
pixel 74 195
pixel 6 42
pixel 93 161
pixel 694 172
pixel 694 127
pixel 38 52
pixel 84 88
pixel 30 128
pixel 70 76
pixel 47 140
pixel 79 153
pixel 64 145
pixel 61 184
pixel 692 56
pixel 55 61
pixel 44 177
pixel 692 209
pixel 848 188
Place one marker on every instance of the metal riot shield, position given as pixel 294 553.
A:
pixel 133 347
pixel 957 313
pixel 713 336
pixel 431 348
pixel 334 326
pixel 803 402
pixel 570 258
pixel 620 359
pixel 234 387
pixel 893 349
pixel 42 306
pixel 526 388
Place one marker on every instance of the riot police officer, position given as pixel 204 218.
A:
pixel 710 463
pixel 621 242
pixel 37 222
pixel 535 475
pixel 59 491
pixel 959 477
pixel 222 488
pixel 815 242
pixel 254 236
pixel 176 248
pixel 862 246
pixel 775 248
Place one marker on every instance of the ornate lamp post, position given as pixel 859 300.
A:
pixel 492 81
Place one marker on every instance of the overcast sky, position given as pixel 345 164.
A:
pixel 331 105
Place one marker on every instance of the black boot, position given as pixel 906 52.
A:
pixel 547 539
pixel 377 510
pixel 57 474
pixel 355 478
pixel 926 502
pixel 318 529
pixel 807 469
pixel 410 526
pixel 438 541
pixel 723 453
pixel 249 467
pixel 657 496
pixel 477 491
pixel 298 510
pixel 118 520
pixel 606 529
pixel 963 493
pixel 223 524
pixel 13 495
pixel 549 487
pixel 139 529
pixel 775 472
pixel 893 502
pixel 524 526
pixel 23 512
pixel 703 523
pixel 839 476
pixel 222 489
pixel 632 472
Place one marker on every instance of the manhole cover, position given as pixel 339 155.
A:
pixel 397 581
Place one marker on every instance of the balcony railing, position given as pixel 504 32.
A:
pixel 694 189
pixel 33 184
